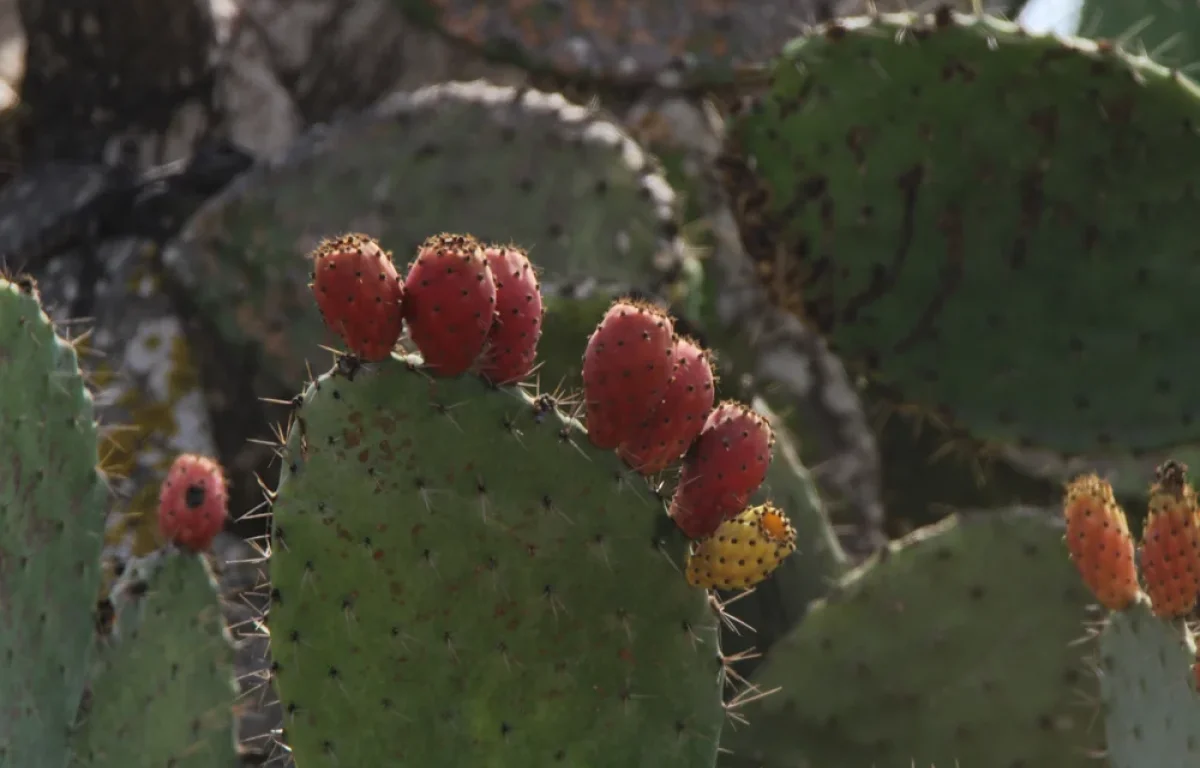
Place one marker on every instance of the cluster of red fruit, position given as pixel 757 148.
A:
pixel 649 394
pixel 465 304
pixel 468 306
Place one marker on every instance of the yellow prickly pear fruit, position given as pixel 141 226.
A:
pixel 1171 543
pixel 1099 541
pixel 743 550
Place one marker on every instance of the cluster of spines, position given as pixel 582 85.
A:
pixel 649 395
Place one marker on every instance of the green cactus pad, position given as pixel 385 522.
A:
pixel 52 503
pixel 1152 710
pixel 1166 30
pixel 998 226
pixel 503 164
pixel 642 42
pixel 460 579
pixel 956 646
pixel 162 688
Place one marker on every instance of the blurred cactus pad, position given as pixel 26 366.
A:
pixel 955 646
pixel 633 43
pixel 459 578
pixel 52 506
pixel 994 226
pixel 508 165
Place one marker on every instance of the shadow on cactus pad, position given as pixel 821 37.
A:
pixel 996 225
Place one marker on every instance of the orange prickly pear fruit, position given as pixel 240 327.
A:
pixel 743 550
pixel 1171 543
pixel 1099 541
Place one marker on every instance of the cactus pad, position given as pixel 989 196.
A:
pixel 52 503
pixel 953 647
pixel 640 42
pixel 162 690
pixel 1152 710
pixel 1164 29
pixel 459 579
pixel 990 222
pixel 503 164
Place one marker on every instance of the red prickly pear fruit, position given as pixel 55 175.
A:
pixel 512 343
pixel 626 369
pixel 678 419
pixel 192 502
pixel 726 464
pixel 359 293
pixel 450 303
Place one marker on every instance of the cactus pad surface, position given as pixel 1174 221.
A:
pixel 507 165
pixel 459 579
pixel 636 42
pixel 162 688
pixel 52 505
pixel 1166 30
pixel 992 223
pixel 1152 710
pixel 953 647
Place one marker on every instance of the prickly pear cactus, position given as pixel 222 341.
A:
pixel 460 579
pixel 902 179
pixel 162 689
pixel 632 43
pixel 953 647
pixel 52 502
pixel 507 165
pixel 1166 30
pixel 1152 710
pixel 778 603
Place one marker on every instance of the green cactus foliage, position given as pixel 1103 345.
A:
pixel 460 579
pixel 632 43
pixel 956 646
pixel 52 505
pixel 162 688
pixel 991 223
pixel 1165 30
pixel 507 165
pixel 1152 710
